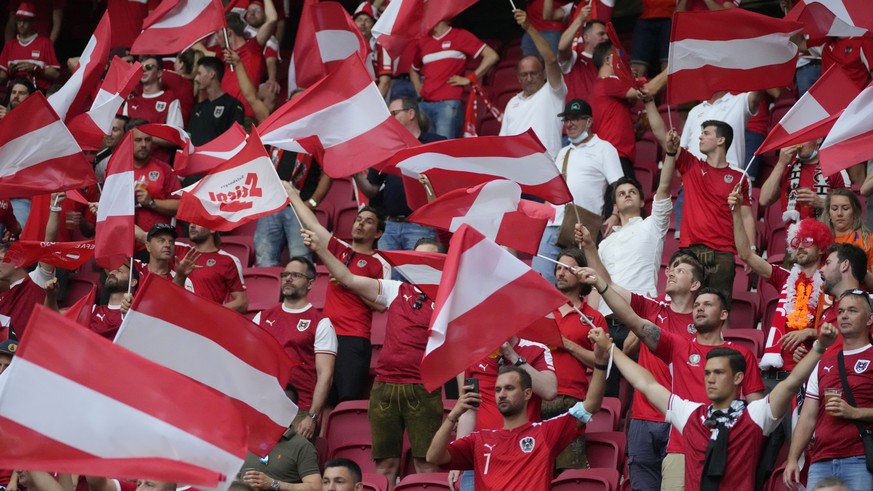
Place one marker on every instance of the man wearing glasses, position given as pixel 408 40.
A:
pixel 308 337
pixel 153 103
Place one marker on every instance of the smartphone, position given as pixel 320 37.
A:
pixel 475 383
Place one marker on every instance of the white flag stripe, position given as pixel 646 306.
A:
pixel 42 412
pixel 104 109
pixel 836 6
pixel 55 142
pixel 335 45
pixel 117 198
pixel 854 121
pixel 486 213
pixel 273 194
pixel 742 54
pixel 170 345
pixel 184 13
pixel 63 98
pixel 803 113
pixel 420 274
pixel 332 124
pixel 517 169
pixel 385 24
pixel 222 155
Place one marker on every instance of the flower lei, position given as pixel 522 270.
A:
pixel 801 295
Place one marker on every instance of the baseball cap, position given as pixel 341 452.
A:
pixel 576 107
pixel 364 8
pixel 9 347
pixel 159 228
pixel 26 10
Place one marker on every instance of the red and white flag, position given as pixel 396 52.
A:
pixel 833 18
pixel 80 311
pixel 342 120
pixel 466 162
pixel 813 115
pixel 91 127
pixel 153 422
pixel 66 255
pixel 326 36
pixel 242 189
pixel 114 239
pixel 620 65
pixel 734 49
pixel 850 141
pixel 422 269
pixel 38 155
pixel 404 21
pixel 177 24
pixel 72 99
pixel 494 209
pixel 210 155
pixel 177 329
pixel 479 280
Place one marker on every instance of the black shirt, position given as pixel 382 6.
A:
pixel 391 200
pixel 209 119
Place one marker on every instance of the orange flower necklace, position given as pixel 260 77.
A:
pixel 799 299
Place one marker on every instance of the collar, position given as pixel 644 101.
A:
pixel 616 228
pixel 26 41
pixel 295 311
pixel 443 35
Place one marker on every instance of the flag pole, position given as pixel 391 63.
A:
pixel 512 4
pixel 227 45
pixel 572 268
pixel 130 276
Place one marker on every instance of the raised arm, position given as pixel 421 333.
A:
pixel 249 92
pixel 665 181
pixel 772 187
pixel 307 217
pixel 744 249
pixel 636 375
pixel 269 26
pixel 545 382
pixel 438 452
pixel 365 287
pixel 784 392
pixel 565 44
pixel 553 71
pixel 597 386
pixel 582 237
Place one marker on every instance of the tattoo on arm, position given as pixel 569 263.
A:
pixel 650 334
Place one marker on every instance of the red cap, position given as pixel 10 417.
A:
pixel 365 8
pixel 26 10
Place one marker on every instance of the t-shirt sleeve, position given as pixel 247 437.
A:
pixel 615 88
pixel 685 161
pixel 752 381
pixel 611 164
pixel 234 276
pixel 762 415
pixel 461 451
pixel 51 59
pixel 388 291
pixel 325 337
pixel 471 45
pixel 543 360
pixel 562 430
pixel 679 410
pixel 644 307
pixel 778 277
pixel 812 383
pixel 667 346
pixel 171 184
pixel 307 460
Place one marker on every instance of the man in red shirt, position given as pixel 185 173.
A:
pixel 308 337
pixel 48 21
pixel 398 400
pixel 383 66
pixel 262 20
pixel 574 54
pixel 153 103
pixel 724 434
pixel 352 315
pixel 155 183
pixel 29 55
pixel 250 52
pixel 217 274
pixel 519 454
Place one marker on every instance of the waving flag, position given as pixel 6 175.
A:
pixel 91 127
pixel 72 98
pixel 813 115
pixel 243 189
pixel 152 421
pixel 175 328
pixel 342 120
pixel 404 21
pixel 833 18
pixel 177 24
pixel 38 155
pixel 732 49
pixel 422 269
pixel 115 213
pixel 493 208
pixel 209 155
pixel 850 141
pixel 80 312
pixel 66 255
pixel 466 162
pixel 326 36
pixel 619 59
pixel 479 280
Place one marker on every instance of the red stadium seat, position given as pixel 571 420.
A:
pixel 76 289
pixel 374 482
pixel 776 240
pixel 488 127
pixel 347 422
pixel 324 214
pixel 646 178
pixel 587 479
pixel 744 310
pixel 318 293
pixel 428 481
pixel 343 220
pixel 753 339
pixel 357 451
pixel 605 450
pixel 607 419
pixel 239 246
pixel 340 192
pixel 263 286
pixel 505 79
pixel 246 230
pixel 646 155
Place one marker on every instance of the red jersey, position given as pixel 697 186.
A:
pixel 687 360
pixel 517 458
pixel 658 9
pixel 303 333
pixel 572 379
pixel 16 303
pixel 105 320
pixel 707 188
pixel 42 24
pixel 219 276
pixel 746 441
pixel 581 77
pixel 406 333
pixel 535 15
pixel 252 58
pixel 160 182
pixel 612 116
pixel 854 55
pixel 143 270
pixel 536 354
pixel 660 314
pixel 438 58
pixel 182 88
pixel 349 314
pixel 159 108
pixel 37 49
pixel 834 437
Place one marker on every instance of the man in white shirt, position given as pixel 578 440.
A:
pixel 538 102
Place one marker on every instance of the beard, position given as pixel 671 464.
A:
pixel 113 285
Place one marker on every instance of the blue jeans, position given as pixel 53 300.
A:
pixel 529 48
pixel 805 76
pixel 271 235
pixel 21 210
pixel 646 448
pixel 547 248
pixel 468 479
pixel 445 116
pixel 753 141
pixel 852 470
pixel 402 236
pixel 651 43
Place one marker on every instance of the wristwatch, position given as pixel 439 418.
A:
pixel 520 361
pixel 275 485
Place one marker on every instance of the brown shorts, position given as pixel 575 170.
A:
pixel 395 407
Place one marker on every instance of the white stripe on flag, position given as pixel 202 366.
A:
pixel 119 422
pixel 518 169
pixel 854 121
pixel 335 44
pixel 117 198
pixel 226 155
pixel 55 142
pixel 743 54
pixel 63 98
pixel 104 109
pixel 804 113
pixel 170 345
pixel 420 274
pixel 184 13
pixel 385 24
pixel 486 212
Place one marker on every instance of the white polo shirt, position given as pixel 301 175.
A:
pixel 591 167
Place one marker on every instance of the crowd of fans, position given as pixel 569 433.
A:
pixel 724 300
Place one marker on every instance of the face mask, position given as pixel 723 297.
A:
pixel 810 158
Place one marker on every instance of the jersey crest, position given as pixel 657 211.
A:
pixel 218 111
pixel 861 366
pixel 303 324
pixel 527 444
pixel 361 263
pixel 160 106
pixel 210 262
pixel 154 175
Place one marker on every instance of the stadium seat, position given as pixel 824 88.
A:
pixel 340 192
pixel 505 79
pixel 587 479
pixel 358 451
pixel 607 419
pixel 89 271
pixel 343 220
pixel 753 339
pixel 374 482
pixel 430 481
pixel 646 155
pixel 347 422
pixel 605 450
pixel 263 286
pixel 241 247
pixel 323 449
pixel 318 293
pixel 646 178
pixel 744 310
pixel 324 214
pixel 776 239
pixel 488 127
pixel 76 289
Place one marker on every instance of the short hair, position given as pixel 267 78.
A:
pixel 708 290
pixel 736 360
pixel 857 213
pixel 157 58
pixel 187 59
pixel 591 23
pixel 575 254
pixel 524 378
pixel 855 255
pixel 407 103
pixel 601 51
pixel 380 218
pixel 429 241
pixel 628 180
pixel 133 123
pixel 830 482
pixel 859 293
pixel 124 118
pixel 685 256
pixel 214 64
pixel 351 465
pixel 235 23
pixel 25 82
pixel 310 266
pixel 722 130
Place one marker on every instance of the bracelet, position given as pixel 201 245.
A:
pixel 601 366
pixel 673 154
pixel 601 292
pixel 818 347
pixel 313 416
pixel 55 209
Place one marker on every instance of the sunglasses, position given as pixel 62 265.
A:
pixel 859 293
pixel 149 67
pixel 806 242
pixel 293 276
pixel 417 304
